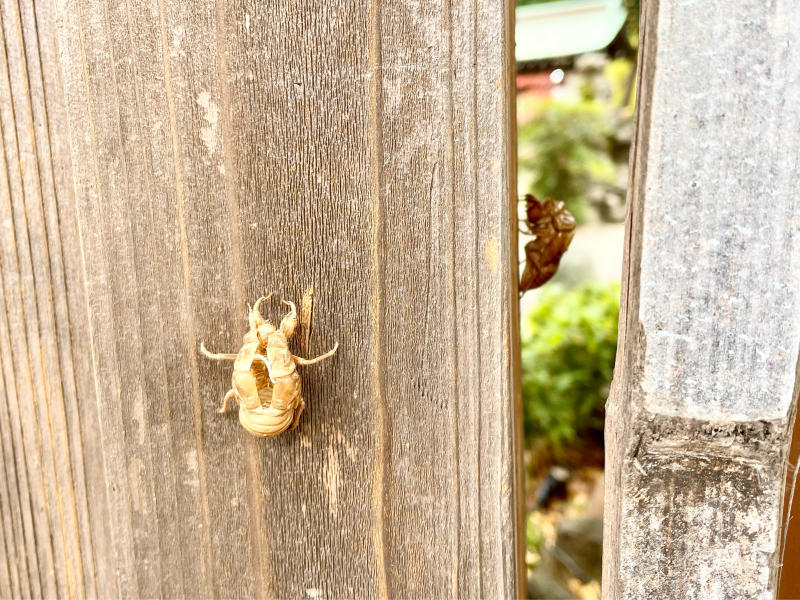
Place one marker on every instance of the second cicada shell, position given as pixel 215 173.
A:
pixel 265 381
pixel 554 228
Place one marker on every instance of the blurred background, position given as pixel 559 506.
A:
pixel 576 74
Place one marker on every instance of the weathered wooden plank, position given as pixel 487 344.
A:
pixel 17 520
pixel 704 394
pixel 419 235
pixel 299 85
pixel 42 400
pixel 46 366
pixel 65 315
pixel 190 157
pixel 20 377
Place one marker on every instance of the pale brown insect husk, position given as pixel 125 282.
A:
pixel 265 382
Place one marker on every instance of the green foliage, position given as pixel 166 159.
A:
pixel 632 21
pixel 526 2
pixel 534 536
pixel 621 74
pixel 567 364
pixel 565 146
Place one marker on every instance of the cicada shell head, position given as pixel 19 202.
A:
pixel 533 209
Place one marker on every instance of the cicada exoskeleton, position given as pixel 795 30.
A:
pixel 553 227
pixel 265 382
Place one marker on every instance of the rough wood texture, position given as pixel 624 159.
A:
pixel 789 569
pixel 700 415
pixel 165 163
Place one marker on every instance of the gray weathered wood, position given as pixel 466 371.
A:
pixel 165 163
pixel 706 378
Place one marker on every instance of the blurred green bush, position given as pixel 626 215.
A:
pixel 566 146
pixel 568 351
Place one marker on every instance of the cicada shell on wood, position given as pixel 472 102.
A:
pixel 265 381
pixel 554 228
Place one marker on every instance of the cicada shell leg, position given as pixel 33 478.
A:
pixel 320 358
pixel 215 356
pixel 228 396
pixel 254 316
pixel 289 322
pixel 297 412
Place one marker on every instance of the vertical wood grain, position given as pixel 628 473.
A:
pixel 704 396
pixel 168 162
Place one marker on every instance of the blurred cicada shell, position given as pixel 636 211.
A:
pixel 554 228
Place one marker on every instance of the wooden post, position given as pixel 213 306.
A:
pixel 167 162
pixel 703 400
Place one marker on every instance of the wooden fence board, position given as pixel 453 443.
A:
pixel 168 162
pixel 705 387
